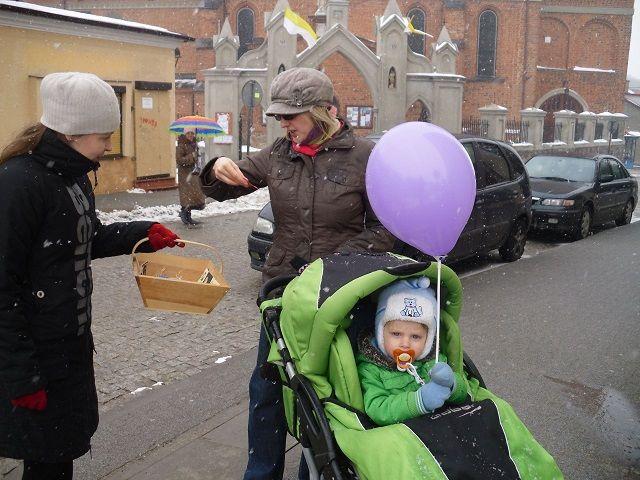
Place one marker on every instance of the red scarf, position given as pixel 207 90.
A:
pixel 311 150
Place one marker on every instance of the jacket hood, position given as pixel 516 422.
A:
pixel 371 353
pixel 53 153
pixel 183 140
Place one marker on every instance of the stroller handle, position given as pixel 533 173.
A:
pixel 270 285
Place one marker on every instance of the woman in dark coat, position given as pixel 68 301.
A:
pixel 49 233
pixel 315 175
pixel 191 196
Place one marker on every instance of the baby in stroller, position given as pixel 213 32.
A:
pixel 400 378
pixel 358 417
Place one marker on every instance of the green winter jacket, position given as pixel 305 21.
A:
pixel 391 396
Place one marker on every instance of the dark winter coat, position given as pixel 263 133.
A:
pixel 49 233
pixel 191 195
pixel 319 204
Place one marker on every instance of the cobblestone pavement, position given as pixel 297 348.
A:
pixel 138 348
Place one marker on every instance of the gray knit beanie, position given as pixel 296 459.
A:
pixel 75 103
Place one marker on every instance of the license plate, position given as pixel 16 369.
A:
pixel 553 220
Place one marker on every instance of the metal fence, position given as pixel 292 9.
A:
pixel 599 134
pixel 475 126
pixel 516 131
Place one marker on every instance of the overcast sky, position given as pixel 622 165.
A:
pixel 634 52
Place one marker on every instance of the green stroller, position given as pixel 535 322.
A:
pixel 313 326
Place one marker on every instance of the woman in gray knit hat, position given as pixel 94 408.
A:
pixel 49 233
pixel 315 175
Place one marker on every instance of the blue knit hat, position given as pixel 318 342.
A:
pixel 409 300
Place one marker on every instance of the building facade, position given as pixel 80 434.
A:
pixel 136 60
pixel 547 54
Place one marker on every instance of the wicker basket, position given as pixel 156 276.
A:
pixel 178 284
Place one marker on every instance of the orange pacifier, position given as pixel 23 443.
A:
pixel 403 358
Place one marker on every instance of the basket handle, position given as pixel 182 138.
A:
pixel 182 240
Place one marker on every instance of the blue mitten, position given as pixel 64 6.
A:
pixel 432 396
pixel 442 374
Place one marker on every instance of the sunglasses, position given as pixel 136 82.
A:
pixel 285 117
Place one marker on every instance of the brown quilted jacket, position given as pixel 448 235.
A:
pixel 319 204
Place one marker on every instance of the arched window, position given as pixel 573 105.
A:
pixel 487 43
pixel 416 42
pixel 245 29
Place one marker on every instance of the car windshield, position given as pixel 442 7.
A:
pixel 564 169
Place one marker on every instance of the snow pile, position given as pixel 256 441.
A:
pixel 168 213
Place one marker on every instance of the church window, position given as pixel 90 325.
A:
pixel 487 44
pixel 416 41
pixel 246 29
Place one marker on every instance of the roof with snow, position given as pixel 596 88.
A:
pixel 633 99
pixel 87 19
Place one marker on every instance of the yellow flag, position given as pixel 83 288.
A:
pixel 296 25
pixel 411 29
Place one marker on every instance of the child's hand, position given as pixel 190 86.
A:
pixel 432 396
pixel 442 374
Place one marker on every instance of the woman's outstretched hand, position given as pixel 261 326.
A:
pixel 228 172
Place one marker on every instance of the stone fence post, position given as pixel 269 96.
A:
pixel 567 121
pixel 589 119
pixel 605 119
pixel 496 116
pixel 621 120
pixel 535 118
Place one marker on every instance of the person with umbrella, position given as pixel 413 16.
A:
pixel 188 162
pixel 191 196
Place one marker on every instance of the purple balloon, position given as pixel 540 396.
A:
pixel 422 186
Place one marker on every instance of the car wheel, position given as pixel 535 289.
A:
pixel 584 226
pixel 625 218
pixel 513 248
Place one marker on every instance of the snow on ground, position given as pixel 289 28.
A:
pixel 167 213
pixel 136 190
pixel 140 390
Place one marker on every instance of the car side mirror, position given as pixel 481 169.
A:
pixel 607 177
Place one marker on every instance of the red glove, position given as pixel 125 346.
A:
pixel 161 237
pixel 33 401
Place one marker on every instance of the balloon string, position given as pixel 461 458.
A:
pixel 438 309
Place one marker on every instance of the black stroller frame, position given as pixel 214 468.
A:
pixel 322 454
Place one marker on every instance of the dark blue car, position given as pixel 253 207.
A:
pixel 573 194
pixel 500 218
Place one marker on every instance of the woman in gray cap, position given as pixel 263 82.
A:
pixel 49 233
pixel 315 175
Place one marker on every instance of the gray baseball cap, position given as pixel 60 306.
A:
pixel 298 89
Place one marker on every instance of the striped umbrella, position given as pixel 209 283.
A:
pixel 203 125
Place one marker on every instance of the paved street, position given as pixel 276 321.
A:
pixel 556 335
pixel 189 354
pixel 137 347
